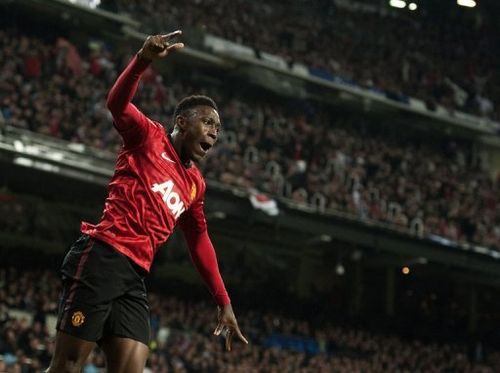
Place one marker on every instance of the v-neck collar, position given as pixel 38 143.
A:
pixel 189 163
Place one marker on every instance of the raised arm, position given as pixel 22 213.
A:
pixel 122 92
pixel 128 120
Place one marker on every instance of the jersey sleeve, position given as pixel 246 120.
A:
pixel 194 227
pixel 129 121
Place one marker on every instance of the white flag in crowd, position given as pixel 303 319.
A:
pixel 262 202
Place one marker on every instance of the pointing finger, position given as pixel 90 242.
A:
pixel 174 47
pixel 229 338
pixel 218 329
pixel 171 35
pixel 240 336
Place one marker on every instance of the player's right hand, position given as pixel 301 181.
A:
pixel 159 46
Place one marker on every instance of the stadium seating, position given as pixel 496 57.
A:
pixel 183 342
pixel 448 63
pixel 315 160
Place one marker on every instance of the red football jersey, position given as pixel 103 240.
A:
pixel 148 193
pixel 151 190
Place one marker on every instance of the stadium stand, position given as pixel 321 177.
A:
pixel 182 343
pixel 304 156
pixel 401 54
pixel 297 151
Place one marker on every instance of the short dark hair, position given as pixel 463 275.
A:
pixel 191 101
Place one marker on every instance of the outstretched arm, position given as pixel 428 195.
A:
pixel 205 260
pixel 128 120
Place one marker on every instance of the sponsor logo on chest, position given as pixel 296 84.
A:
pixel 170 197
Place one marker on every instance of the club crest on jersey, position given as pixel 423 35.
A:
pixel 171 198
pixel 193 192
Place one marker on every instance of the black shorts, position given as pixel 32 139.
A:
pixel 103 294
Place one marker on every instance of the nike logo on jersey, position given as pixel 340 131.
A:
pixel 171 198
pixel 166 157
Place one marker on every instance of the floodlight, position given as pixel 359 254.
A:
pixel 467 3
pixel 397 3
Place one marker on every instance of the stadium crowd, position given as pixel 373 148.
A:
pixel 450 62
pixel 184 342
pixel 307 156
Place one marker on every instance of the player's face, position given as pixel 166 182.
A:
pixel 200 132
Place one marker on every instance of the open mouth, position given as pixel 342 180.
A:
pixel 205 146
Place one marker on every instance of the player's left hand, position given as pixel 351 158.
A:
pixel 160 46
pixel 227 324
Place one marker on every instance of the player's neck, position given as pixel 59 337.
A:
pixel 176 139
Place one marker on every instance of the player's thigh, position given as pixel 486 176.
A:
pixel 70 353
pixel 127 332
pixel 124 355
pixel 129 317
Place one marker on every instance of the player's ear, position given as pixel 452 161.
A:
pixel 180 122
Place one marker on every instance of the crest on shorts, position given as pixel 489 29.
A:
pixel 78 318
pixel 193 191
